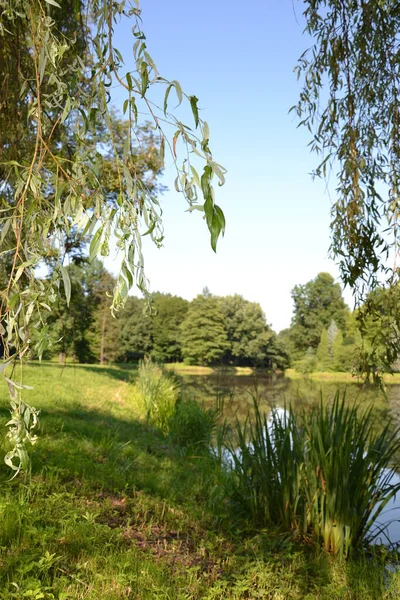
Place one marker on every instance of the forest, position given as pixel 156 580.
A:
pixel 324 334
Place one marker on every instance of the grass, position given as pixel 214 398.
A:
pixel 158 392
pixel 113 511
pixel 338 377
pixel 183 369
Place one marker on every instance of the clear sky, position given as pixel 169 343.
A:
pixel 238 59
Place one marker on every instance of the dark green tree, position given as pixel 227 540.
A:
pixel 105 327
pixel 248 334
pixel 136 335
pixel 203 331
pixel 69 323
pixel 316 303
pixel 168 312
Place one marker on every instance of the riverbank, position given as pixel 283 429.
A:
pixel 184 369
pixel 338 377
pixel 328 376
pixel 114 510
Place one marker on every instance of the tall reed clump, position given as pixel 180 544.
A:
pixel 326 474
pixel 159 393
pixel 347 475
pixel 193 425
pixel 266 457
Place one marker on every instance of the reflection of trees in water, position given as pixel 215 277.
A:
pixel 394 403
pixel 238 391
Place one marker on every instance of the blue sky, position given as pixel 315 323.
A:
pixel 238 59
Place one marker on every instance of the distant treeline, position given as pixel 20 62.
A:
pixel 324 334
pixel 208 330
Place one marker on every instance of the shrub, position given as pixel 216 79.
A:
pixel 308 364
pixel 159 393
pixel 327 474
pixel 192 425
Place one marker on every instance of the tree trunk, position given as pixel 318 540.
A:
pixel 103 333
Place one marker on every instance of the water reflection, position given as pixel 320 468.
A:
pixel 276 390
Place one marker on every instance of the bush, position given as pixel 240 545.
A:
pixel 159 393
pixel 308 364
pixel 326 474
pixel 192 425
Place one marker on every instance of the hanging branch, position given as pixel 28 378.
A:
pixel 58 63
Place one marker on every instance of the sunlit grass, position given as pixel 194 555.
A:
pixel 114 511
pixel 182 368
pixel 339 377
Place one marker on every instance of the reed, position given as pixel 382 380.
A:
pixel 159 393
pixel 348 472
pixel 327 474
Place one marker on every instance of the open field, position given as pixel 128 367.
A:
pixel 113 510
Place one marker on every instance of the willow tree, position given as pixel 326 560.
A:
pixel 58 63
pixel 350 103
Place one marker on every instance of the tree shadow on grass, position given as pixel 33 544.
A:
pixel 105 487
pixel 120 371
pixel 107 452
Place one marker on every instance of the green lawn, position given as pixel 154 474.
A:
pixel 114 511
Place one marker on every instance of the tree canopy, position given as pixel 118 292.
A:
pixel 316 304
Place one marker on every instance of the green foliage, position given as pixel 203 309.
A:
pixel 337 352
pixel 248 335
pixel 105 328
pixel 379 321
pixel 158 392
pixel 203 331
pixel 324 355
pixel 192 425
pixel 168 314
pixel 135 338
pixel 327 474
pixel 69 167
pixel 348 470
pixel 308 364
pixel 267 457
pixel 316 304
pixel 349 102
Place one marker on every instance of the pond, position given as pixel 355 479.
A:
pixel 238 392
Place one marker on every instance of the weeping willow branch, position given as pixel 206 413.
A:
pixel 349 103
pixel 58 62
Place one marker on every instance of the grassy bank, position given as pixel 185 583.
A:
pixel 338 377
pixel 183 369
pixel 114 510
